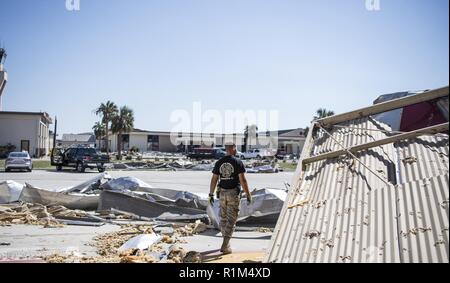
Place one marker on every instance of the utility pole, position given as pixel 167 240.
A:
pixel 3 74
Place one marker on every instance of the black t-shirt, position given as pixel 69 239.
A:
pixel 228 168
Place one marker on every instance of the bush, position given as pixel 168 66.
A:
pixel 129 157
pixel 6 149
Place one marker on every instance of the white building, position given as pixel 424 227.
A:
pixel 289 141
pixel 84 139
pixel 27 131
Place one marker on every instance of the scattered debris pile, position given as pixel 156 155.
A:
pixel 263 166
pixel 36 214
pixel 135 244
pixel 10 191
pixel 265 207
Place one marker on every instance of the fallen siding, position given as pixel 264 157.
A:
pixel 339 211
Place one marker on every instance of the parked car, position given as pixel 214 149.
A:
pixel 281 154
pixel 79 158
pixel 19 161
pixel 240 154
pixel 259 153
pixel 207 153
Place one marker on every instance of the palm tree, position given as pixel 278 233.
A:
pixel 251 131
pixel 99 132
pixel 107 110
pixel 320 113
pixel 123 122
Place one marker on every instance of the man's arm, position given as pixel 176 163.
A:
pixel 212 186
pixel 244 184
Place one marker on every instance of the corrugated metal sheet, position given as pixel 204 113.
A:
pixel 339 211
pixel 423 220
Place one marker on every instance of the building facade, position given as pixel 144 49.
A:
pixel 288 141
pixel 84 139
pixel 27 131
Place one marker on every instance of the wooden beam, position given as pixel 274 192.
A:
pixel 409 135
pixel 385 106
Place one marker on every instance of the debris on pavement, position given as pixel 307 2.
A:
pixel 140 242
pixel 9 191
pixel 153 221
pixel 263 166
pixel 89 186
pixel 264 230
pixel 35 214
pixel 138 204
pixel 265 207
pixel 131 244
pixel 125 183
pixel 193 257
pixel 31 194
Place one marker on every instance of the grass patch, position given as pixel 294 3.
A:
pixel 41 164
pixel 287 166
pixel 37 164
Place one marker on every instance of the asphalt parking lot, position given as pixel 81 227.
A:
pixel 32 242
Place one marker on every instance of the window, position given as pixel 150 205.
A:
pixel 153 143
pixel 19 155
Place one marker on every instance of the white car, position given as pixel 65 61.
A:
pixel 18 160
pixel 259 153
pixel 239 155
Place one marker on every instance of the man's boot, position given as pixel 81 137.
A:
pixel 226 249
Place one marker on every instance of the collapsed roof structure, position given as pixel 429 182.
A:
pixel 365 193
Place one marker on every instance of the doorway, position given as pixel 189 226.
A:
pixel 25 145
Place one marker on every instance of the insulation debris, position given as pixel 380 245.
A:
pixel 300 203
pixel 140 242
pixel 9 191
pixel 36 214
pixel 409 160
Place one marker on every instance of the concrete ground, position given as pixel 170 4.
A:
pixel 28 242
pixel 31 241
pixel 192 181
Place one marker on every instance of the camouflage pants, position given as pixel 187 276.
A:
pixel 229 211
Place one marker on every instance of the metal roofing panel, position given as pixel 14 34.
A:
pixel 340 211
pixel 423 157
pixel 423 220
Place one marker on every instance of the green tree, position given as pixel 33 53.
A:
pixel 107 111
pixel 123 122
pixel 99 131
pixel 320 113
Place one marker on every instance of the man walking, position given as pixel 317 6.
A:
pixel 229 171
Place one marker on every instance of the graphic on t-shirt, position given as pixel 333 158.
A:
pixel 226 170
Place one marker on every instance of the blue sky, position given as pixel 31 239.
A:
pixel 160 55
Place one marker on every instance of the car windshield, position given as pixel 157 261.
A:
pixel 18 154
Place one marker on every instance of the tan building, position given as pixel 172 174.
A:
pixel 27 131
pixel 289 141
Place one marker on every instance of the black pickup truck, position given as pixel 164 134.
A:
pixel 79 158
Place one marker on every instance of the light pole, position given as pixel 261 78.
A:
pixel 3 74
